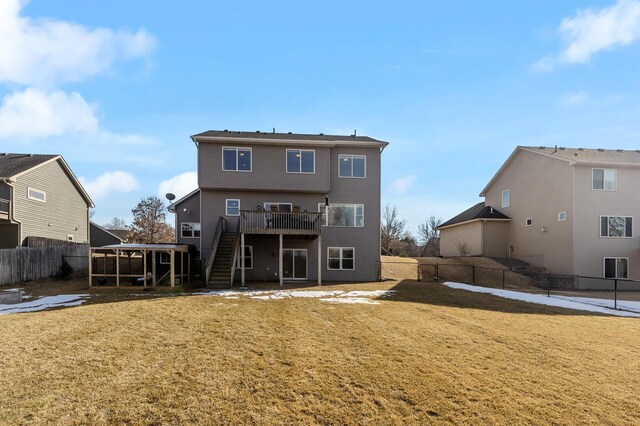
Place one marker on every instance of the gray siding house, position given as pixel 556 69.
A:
pixel 40 196
pixel 101 237
pixel 284 207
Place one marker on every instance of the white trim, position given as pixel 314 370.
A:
pixel 236 148
pixel 508 198
pixel 341 258
pixel 44 193
pixel 614 237
pixel 226 207
pixel 560 216
pixel 193 231
pixel 352 157
pixel 604 260
pixel 238 263
pixel 306 270
pixel 286 161
pixel 528 221
pixel 325 209
pixel 604 170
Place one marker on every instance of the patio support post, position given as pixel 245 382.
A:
pixel 242 259
pixel 117 268
pixel 189 268
pixel 153 266
pixel 280 261
pixel 144 266
pixel 90 265
pixel 172 256
pixel 319 259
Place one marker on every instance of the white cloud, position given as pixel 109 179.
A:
pixel 179 185
pixel 402 185
pixel 44 52
pixel 574 99
pixel 34 113
pixel 593 30
pixel 110 182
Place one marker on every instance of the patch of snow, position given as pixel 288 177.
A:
pixel 540 299
pixel 371 293
pixel 44 303
pixel 287 294
pixel 628 305
pixel 351 300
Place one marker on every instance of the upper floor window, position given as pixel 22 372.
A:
pixel 616 226
pixel 616 267
pixel 352 166
pixel 604 179
pixel 343 214
pixel 301 161
pixel 236 159
pixel 232 207
pixel 505 198
pixel 190 230
pixel 36 195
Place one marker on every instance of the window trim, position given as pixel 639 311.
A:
pixel 325 222
pixel 528 221
pixel 341 258
pixel 559 216
pixel 604 262
pixel 165 253
pixel 615 172
pixel 286 161
pixel 192 230
pixel 226 207
pixel 236 148
pixel 502 203
pixel 238 257
pixel 340 156
pixel 625 224
pixel 44 193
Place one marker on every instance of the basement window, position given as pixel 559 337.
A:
pixel 616 267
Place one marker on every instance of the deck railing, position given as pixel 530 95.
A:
pixel 4 206
pixel 286 223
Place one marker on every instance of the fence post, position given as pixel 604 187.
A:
pixel 473 274
pixel 503 279
pixel 615 294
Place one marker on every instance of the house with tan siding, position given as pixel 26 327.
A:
pixel 41 197
pixel 569 210
pixel 284 207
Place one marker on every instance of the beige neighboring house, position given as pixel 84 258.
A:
pixel 569 210
pixel 41 197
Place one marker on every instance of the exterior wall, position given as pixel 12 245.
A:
pixel 540 187
pixel 365 240
pixel 590 248
pixel 9 235
pixel 268 164
pixel 65 208
pixel 100 238
pixel 469 233
pixel 192 204
pixel 495 239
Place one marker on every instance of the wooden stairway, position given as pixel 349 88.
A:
pixel 221 269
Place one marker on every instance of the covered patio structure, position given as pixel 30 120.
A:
pixel 166 259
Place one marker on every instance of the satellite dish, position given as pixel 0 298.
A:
pixel 170 196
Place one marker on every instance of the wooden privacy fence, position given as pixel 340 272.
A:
pixel 25 263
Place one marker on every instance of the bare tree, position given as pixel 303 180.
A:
pixel 429 236
pixel 116 223
pixel 464 249
pixel 392 229
pixel 149 224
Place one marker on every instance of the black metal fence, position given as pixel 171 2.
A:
pixel 622 294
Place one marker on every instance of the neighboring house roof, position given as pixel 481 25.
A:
pixel 214 135
pixel 172 206
pixel 583 156
pixel 14 165
pixel 119 233
pixel 478 212
pixel 112 232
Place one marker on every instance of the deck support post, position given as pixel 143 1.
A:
pixel 172 256
pixel 320 260
pixel 117 268
pixel 90 265
pixel 280 253
pixel 144 267
pixel 153 266
pixel 242 259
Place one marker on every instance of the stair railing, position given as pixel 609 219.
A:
pixel 222 224
pixel 235 253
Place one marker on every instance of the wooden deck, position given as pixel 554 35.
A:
pixel 280 223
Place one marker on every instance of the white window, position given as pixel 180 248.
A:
pixel 352 166
pixel 36 195
pixel 190 230
pixel 69 237
pixel 350 215
pixel 232 207
pixel 236 159
pixel 562 216
pixel 165 258
pixel 616 267
pixel 529 222
pixel 341 258
pixel 505 198
pixel 301 161
pixel 248 258
pixel 616 226
pixel 604 179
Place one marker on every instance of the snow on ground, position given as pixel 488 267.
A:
pixel 333 296
pixel 627 305
pixel 42 303
pixel 557 301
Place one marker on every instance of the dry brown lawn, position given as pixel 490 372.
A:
pixel 430 354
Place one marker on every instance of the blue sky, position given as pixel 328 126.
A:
pixel 117 87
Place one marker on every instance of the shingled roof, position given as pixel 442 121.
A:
pixel 14 164
pixel 320 137
pixel 478 212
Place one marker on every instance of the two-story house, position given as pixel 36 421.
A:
pixel 569 210
pixel 40 196
pixel 283 206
